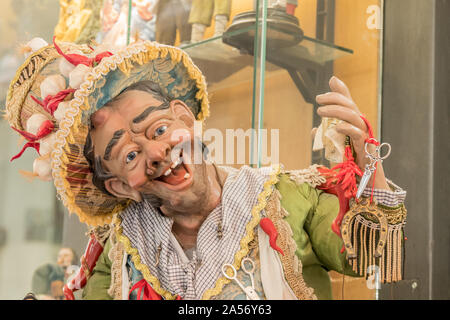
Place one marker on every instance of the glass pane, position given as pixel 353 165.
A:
pixel 32 221
pixel 321 39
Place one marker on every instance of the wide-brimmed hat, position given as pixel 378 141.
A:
pixel 58 88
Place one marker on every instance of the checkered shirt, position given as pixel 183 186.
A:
pixel 147 229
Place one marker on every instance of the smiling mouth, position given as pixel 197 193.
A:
pixel 176 177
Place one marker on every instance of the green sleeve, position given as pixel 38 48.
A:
pixel 311 213
pixel 98 284
pixel 327 244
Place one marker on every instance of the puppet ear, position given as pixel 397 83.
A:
pixel 182 112
pixel 122 190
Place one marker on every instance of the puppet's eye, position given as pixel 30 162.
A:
pixel 160 131
pixel 131 156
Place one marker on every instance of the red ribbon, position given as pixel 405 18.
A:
pixel 77 59
pixel 51 102
pixel 149 293
pixel 45 129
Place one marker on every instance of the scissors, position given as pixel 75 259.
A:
pixel 370 168
pixel 250 290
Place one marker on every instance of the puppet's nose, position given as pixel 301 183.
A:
pixel 155 153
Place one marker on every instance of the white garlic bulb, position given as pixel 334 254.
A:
pixel 65 67
pixel 76 77
pixel 46 144
pixel 52 85
pixel 61 111
pixel 43 169
pixel 34 122
pixel 35 44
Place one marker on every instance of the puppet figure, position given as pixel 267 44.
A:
pixel 117 131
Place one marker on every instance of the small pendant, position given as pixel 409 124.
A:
pixel 220 230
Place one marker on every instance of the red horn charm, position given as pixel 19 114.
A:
pixel 269 228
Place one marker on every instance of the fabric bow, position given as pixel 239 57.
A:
pixel 45 129
pixel 51 102
pixel 77 59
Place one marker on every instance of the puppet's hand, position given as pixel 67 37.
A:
pixel 339 104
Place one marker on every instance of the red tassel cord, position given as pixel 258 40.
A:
pixel 149 293
pixel 342 183
pixel 45 129
pixel 77 59
pixel 51 102
pixel 88 262
pixel 269 228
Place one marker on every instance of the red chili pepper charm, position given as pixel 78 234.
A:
pixel 268 227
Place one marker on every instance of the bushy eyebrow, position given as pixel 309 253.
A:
pixel 149 110
pixel 114 140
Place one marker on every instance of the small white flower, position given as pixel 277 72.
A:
pixel 43 168
pixel 76 77
pixel 34 122
pixel 52 85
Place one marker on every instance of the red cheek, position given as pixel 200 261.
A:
pixel 137 178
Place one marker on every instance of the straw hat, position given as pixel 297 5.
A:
pixel 59 86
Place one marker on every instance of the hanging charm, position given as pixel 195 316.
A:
pixel 373 212
pixel 371 167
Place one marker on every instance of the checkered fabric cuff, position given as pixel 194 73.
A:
pixel 387 198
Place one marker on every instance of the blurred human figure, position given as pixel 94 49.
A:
pixel 173 15
pixel 48 280
pixel 202 13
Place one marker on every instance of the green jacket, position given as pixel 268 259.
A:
pixel 310 215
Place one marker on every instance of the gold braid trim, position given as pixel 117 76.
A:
pixel 116 255
pixel 309 175
pixel 102 233
pixel 23 81
pixel 245 241
pixel 68 127
pixel 249 228
pixel 292 266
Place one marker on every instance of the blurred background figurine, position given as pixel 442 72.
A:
pixel 67 260
pixel 114 20
pixel 173 15
pixel 79 20
pixel 48 280
pixel 202 13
